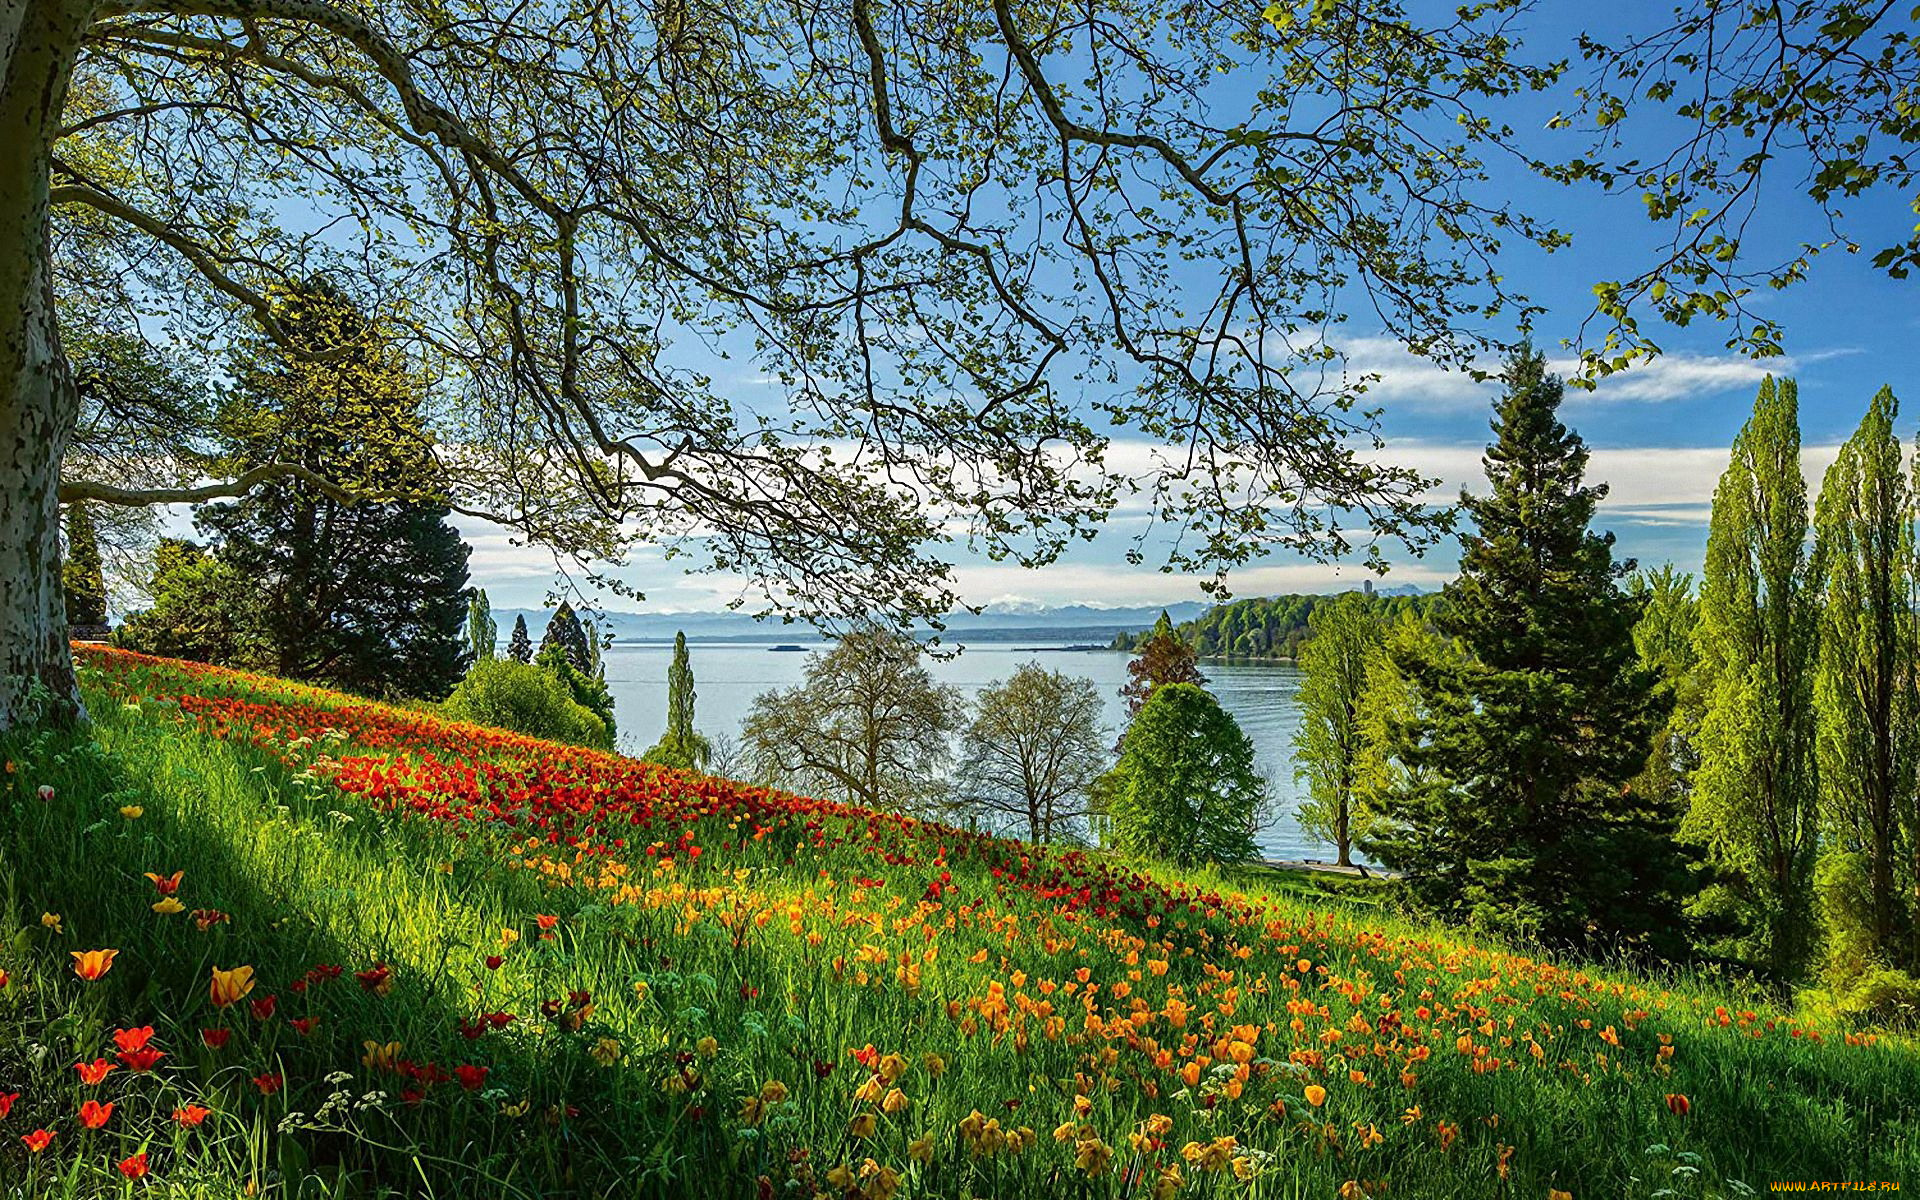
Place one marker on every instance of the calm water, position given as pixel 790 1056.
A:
pixel 727 676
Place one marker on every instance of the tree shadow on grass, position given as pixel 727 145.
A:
pixel 302 889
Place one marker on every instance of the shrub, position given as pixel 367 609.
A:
pixel 526 699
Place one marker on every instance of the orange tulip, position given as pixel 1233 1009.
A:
pixel 38 1140
pixel 230 986
pixel 1316 1095
pixel 1678 1104
pixel 92 964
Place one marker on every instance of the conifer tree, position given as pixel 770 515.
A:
pixel 369 595
pixel 564 631
pixel 681 745
pixel 1523 821
pixel 520 645
pixel 1864 697
pixel 80 572
pixel 1753 805
pixel 1328 746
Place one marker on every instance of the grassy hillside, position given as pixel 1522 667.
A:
pixel 486 966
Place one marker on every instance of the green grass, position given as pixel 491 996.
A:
pixel 786 965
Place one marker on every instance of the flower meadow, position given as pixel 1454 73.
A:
pixel 261 939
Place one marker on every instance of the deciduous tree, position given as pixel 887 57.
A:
pixel 1754 797
pixel 1031 754
pixel 918 220
pixel 681 745
pixel 1864 684
pixel 1329 746
pixel 1185 789
pixel 867 726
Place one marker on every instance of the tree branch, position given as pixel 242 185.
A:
pixel 106 493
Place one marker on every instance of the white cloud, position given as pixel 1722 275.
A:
pixel 1406 378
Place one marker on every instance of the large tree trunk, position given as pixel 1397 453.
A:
pixel 39 41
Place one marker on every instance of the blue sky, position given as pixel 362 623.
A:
pixel 1659 433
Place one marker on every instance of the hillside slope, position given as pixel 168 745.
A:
pixel 483 965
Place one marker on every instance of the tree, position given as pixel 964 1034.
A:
pixel 1014 187
pixel 81 575
pixel 588 691
pixel 867 726
pixel 1864 678
pixel 483 636
pixel 507 694
pixel 1754 796
pixel 1185 789
pixel 520 646
pixel 1525 822
pixel 1329 745
pixel 596 667
pixel 370 595
pixel 1664 640
pixel 1808 96
pixel 202 609
pixel 1389 707
pixel 565 632
pixel 1163 658
pixel 681 745
pixel 1031 753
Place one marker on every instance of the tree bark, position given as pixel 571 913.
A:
pixel 39 42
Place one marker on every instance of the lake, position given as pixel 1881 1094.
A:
pixel 728 675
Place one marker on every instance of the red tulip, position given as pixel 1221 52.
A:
pixel 134 1167
pixel 215 1039
pixel 93 1073
pixel 38 1140
pixel 94 1114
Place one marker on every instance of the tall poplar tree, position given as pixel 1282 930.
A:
pixel 483 635
pixel 1328 746
pixel 1753 805
pixel 1526 822
pixel 1864 682
pixel 681 745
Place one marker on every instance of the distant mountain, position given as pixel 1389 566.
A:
pixel 1009 622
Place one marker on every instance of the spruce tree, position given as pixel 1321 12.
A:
pixel 1523 821
pixel 564 631
pixel 1753 805
pixel 80 573
pixel 681 745
pixel 520 645
pixel 1865 743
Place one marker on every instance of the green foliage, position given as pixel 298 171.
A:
pixel 565 632
pixel 587 691
pixel 1348 637
pixel 1261 627
pixel 1389 704
pixel 203 609
pixel 1031 753
pixel 867 725
pixel 483 636
pixel 80 572
pixel 1865 744
pixel 1860 985
pixel 525 698
pixel 1524 823
pixel 1753 806
pixel 1163 657
pixel 520 646
pixel 1185 789
pixel 681 745
pixel 369 596
pixel 1664 640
